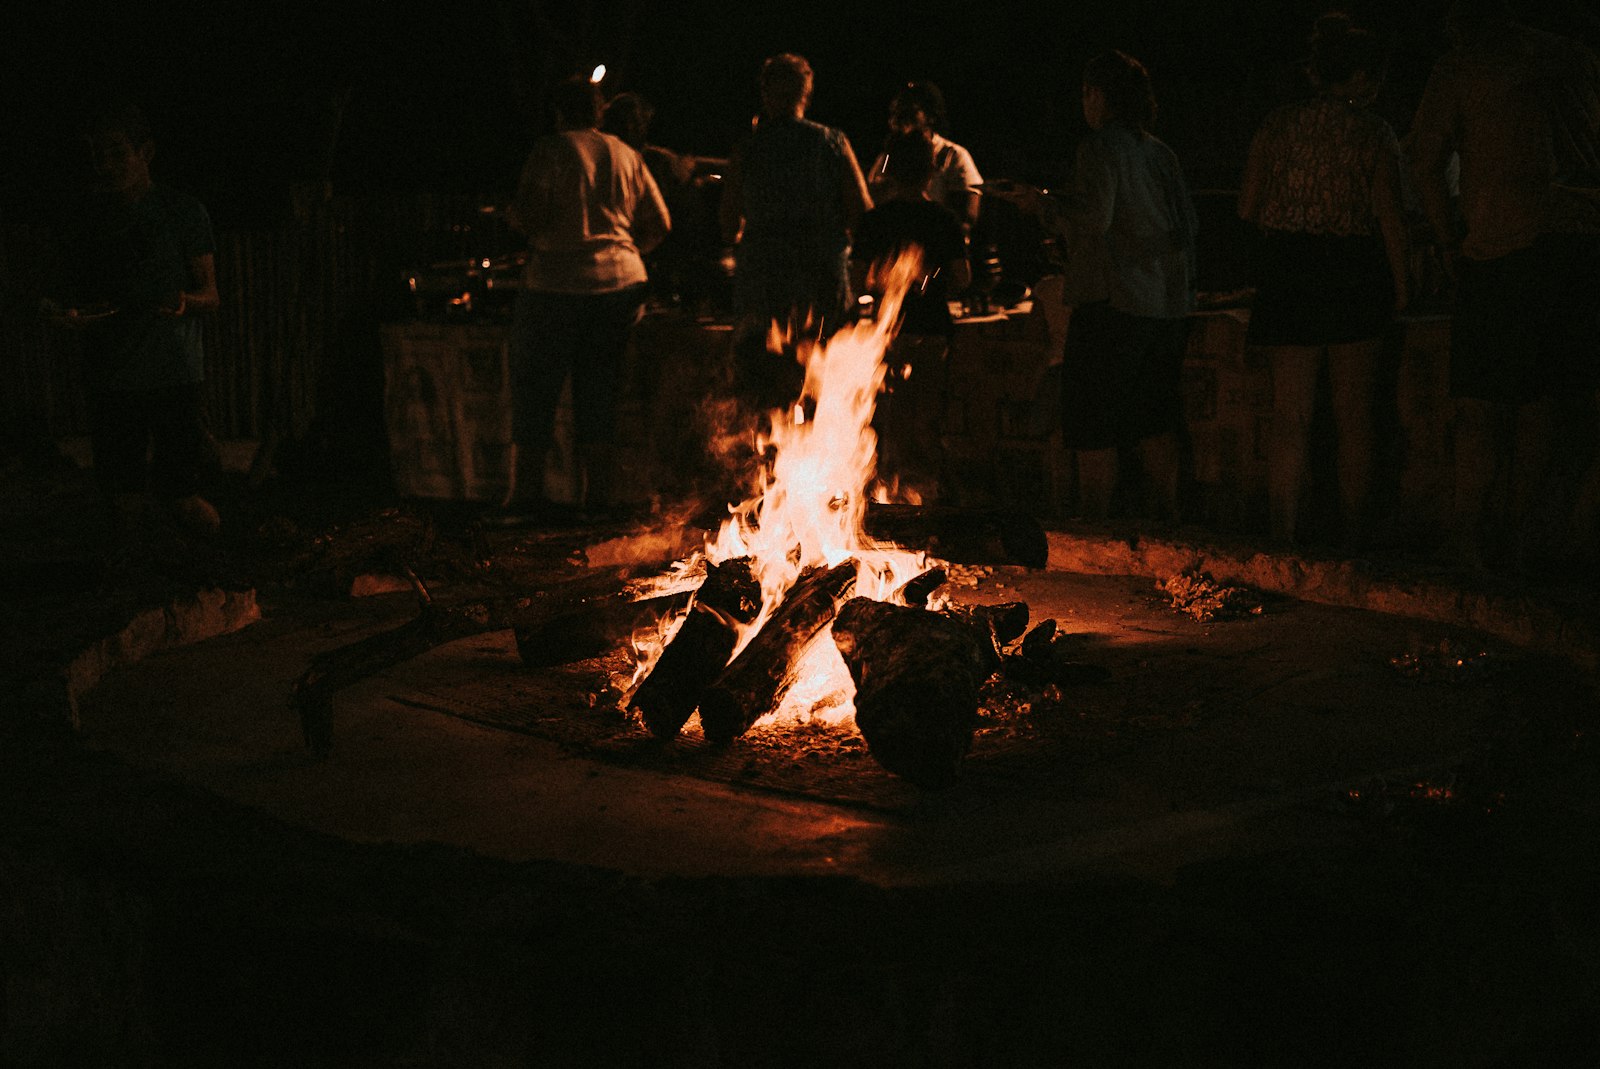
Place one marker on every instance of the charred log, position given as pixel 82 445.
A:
pixel 996 626
pixel 917 591
pixel 587 606
pixel 1041 660
pixel 965 536
pixel 755 682
pixel 333 670
pixel 593 615
pixel 728 599
pixel 917 675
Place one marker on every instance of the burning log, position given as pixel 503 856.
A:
pixel 593 615
pixel 965 536
pixel 728 599
pixel 569 618
pixel 917 675
pixel 917 591
pixel 994 626
pixel 756 680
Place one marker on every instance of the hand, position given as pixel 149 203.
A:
pixel 1026 197
pixel 175 311
pixel 71 318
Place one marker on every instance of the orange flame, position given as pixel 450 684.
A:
pixel 809 508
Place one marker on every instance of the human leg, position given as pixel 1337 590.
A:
pixel 544 342
pixel 182 451
pixel 1097 478
pixel 1352 370
pixel 119 438
pixel 1531 445
pixel 1090 404
pixel 1581 536
pixel 1476 451
pixel 1159 458
pixel 1294 394
pixel 597 379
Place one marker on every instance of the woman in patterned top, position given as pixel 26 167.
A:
pixel 1323 184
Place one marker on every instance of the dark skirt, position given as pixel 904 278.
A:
pixel 1319 289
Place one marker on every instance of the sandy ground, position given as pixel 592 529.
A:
pixel 1257 842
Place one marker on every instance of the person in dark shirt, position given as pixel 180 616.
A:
pixel 908 223
pixel 142 271
pixel 791 196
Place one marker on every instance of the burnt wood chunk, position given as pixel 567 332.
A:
pixel 917 675
pixel 995 627
pixel 1042 659
pixel 755 682
pixel 592 616
pixel 333 670
pixel 729 599
pixel 966 536
pixel 918 590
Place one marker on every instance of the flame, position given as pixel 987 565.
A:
pixel 808 507
pixel 598 75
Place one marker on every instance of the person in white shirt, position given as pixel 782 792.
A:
pixel 591 211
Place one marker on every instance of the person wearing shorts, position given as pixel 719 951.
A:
pixel 1521 110
pixel 1129 228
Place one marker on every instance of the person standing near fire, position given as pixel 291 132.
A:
pixel 919 108
pixel 907 221
pixel 141 275
pixel 591 211
pixel 791 196
pixel 1322 183
pixel 1521 109
pixel 1129 228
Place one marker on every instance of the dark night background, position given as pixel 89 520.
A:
pixel 444 97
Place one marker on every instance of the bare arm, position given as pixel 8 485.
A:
pixel 201 296
pixel 730 212
pixel 853 188
pixel 651 220
pixel 1255 166
pixel 1086 207
pixel 1433 135
pixel 958 274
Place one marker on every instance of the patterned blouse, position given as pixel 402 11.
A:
pixel 1316 162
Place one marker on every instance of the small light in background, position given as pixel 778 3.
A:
pixel 599 74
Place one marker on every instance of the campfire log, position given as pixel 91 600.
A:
pixel 917 591
pixel 587 607
pixel 591 616
pixel 755 682
pixel 965 536
pixel 333 670
pixel 728 599
pixel 917 675
pixel 995 626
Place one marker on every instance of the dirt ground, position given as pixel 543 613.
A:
pixel 1308 836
